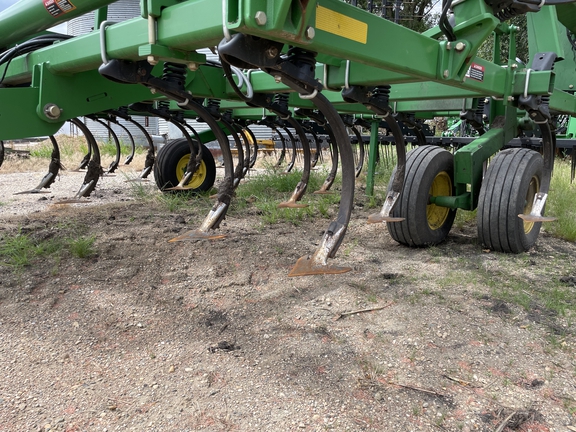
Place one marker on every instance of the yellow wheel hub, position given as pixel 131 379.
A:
pixel 198 177
pixel 533 189
pixel 436 215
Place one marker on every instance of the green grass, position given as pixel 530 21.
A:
pixel 264 192
pixel 82 247
pixel 562 203
pixel 18 251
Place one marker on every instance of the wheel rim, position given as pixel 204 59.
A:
pixel 533 189
pixel 436 215
pixel 198 177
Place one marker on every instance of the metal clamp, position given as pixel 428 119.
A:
pixel 528 72
pixel 103 52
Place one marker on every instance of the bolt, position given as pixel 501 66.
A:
pixel 571 86
pixel 153 60
pixel 514 66
pixel 141 71
pixel 153 90
pixel 272 52
pixel 460 46
pixel 486 100
pixel 277 79
pixel 510 98
pixel 310 33
pixel 52 111
pixel 449 45
pixel 192 67
pixel 446 73
pixel 260 18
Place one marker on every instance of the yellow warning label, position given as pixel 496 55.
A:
pixel 341 25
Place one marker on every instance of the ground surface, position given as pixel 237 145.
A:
pixel 147 335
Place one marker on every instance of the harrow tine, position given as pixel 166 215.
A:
pixel 226 188
pixel 283 151
pixel 53 169
pixel 293 157
pixel 246 142
pixel 325 188
pixel 150 155
pixel 548 150
pixel 361 150
pixel 114 164
pixel 305 178
pixel 317 263
pixel 318 147
pixel 1 152
pixel 398 181
pixel 130 157
pixel 94 169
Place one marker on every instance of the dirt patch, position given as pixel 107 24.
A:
pixel 157 336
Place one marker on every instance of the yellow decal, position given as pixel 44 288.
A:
pixel 341 25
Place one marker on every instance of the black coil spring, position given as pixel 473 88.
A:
pixel 299 55
pixel 506 14
pixel 282 100
pixel 174 73
pixel 213 105
pixel 382 91
pixel 480 107
pixel 163 105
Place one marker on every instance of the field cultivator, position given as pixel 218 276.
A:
pixel 305 69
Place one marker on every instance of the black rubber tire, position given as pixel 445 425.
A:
pixel 510 183
pixel 424 224
pixel 172 154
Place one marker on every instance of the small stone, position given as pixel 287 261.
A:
pixel 47 427
pixel 187 369
pixel 378 396
pixel 172 369
pixel 425 405
pixel 22 406
pixel 301 425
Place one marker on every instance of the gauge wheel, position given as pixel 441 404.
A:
pixel 511 182
pixel 429 172
pixel 171 162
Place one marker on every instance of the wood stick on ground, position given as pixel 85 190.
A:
pixel 505 422
pixel 432 392
pixel 458 380
pixel 343 314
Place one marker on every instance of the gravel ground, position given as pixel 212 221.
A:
pixel 147 335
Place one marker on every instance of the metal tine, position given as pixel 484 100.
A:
pixel 53 169
pixel 114 164
pixel 94 169
pixel 226 187
pixel 150 155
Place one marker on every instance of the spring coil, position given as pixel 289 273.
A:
pixel 174 73
pixel 480 107
pixel 506 14
pixel 163 105
pixel 381 92
pixel 299 55
pixel 213 105
pixel 281 99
